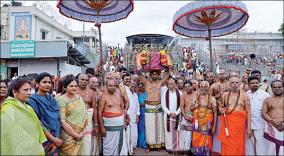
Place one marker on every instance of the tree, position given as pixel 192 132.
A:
pixel 282 28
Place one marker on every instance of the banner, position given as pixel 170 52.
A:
pixel 23 24
pixel 22 49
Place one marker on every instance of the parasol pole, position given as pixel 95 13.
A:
pixel 210 49
pixel 100 38
pixel 101 47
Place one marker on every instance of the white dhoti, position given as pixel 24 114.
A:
pixel 185 135
pixel 89 144
pixel 276 141
pixel 132 136
pixel 250 148
pixel 115 141
pixel 154 127
pixel 257 145
pixel 172 136
pixel 217 143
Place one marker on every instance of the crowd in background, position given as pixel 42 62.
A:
pixel 69 115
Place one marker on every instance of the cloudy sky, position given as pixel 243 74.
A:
pixel 156 17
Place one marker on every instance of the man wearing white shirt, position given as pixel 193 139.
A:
pixel 133 112
pixel 257 144
pixel 170 104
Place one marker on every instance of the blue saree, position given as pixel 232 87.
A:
pixel 141 125
pixel 47 110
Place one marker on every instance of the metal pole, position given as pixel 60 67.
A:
pixel 211 53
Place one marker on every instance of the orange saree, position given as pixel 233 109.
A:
pixel 202 137
pixel 234 144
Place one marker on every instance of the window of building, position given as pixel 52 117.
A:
pixel 43 35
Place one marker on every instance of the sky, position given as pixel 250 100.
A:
pixel 157 17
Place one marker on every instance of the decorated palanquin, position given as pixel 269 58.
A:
pixel 153 60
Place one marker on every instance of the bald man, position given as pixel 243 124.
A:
pixel 234 74
pixel 217 90
pixel 171 106
pixel 244 86
pixel 89 99
pixel 235 117
pixel 112 121
pixel 94 85
pixel 108 76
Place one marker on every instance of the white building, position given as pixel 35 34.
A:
pixel 244 43
pixel 34 40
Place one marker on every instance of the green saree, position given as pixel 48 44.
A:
pixel 21 132
pixel 74 113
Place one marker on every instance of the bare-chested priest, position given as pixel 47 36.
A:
pixel 88 96
pixel 94 85
pixel 235 119
pixel 187 116
pixel 112 121
pixel 272 112
pixel 217 90
pixel 123 94
pixel 119 89
pixel 153 110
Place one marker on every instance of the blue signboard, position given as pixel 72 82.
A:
pixel 22 49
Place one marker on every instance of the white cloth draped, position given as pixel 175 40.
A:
pixel 132 136
pixel 271 148
pixel 89 146
pixel 185 137
pixel 111 141
pixel 154 127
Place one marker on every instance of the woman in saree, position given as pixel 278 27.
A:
pixel 21 131
pixel 142 96
pixel 73 117
pixel 47 110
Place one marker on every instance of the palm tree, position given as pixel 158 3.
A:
pixel 282 28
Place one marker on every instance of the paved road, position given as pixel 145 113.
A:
pixel 141 151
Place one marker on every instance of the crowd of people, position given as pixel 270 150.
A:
pixel 209 114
